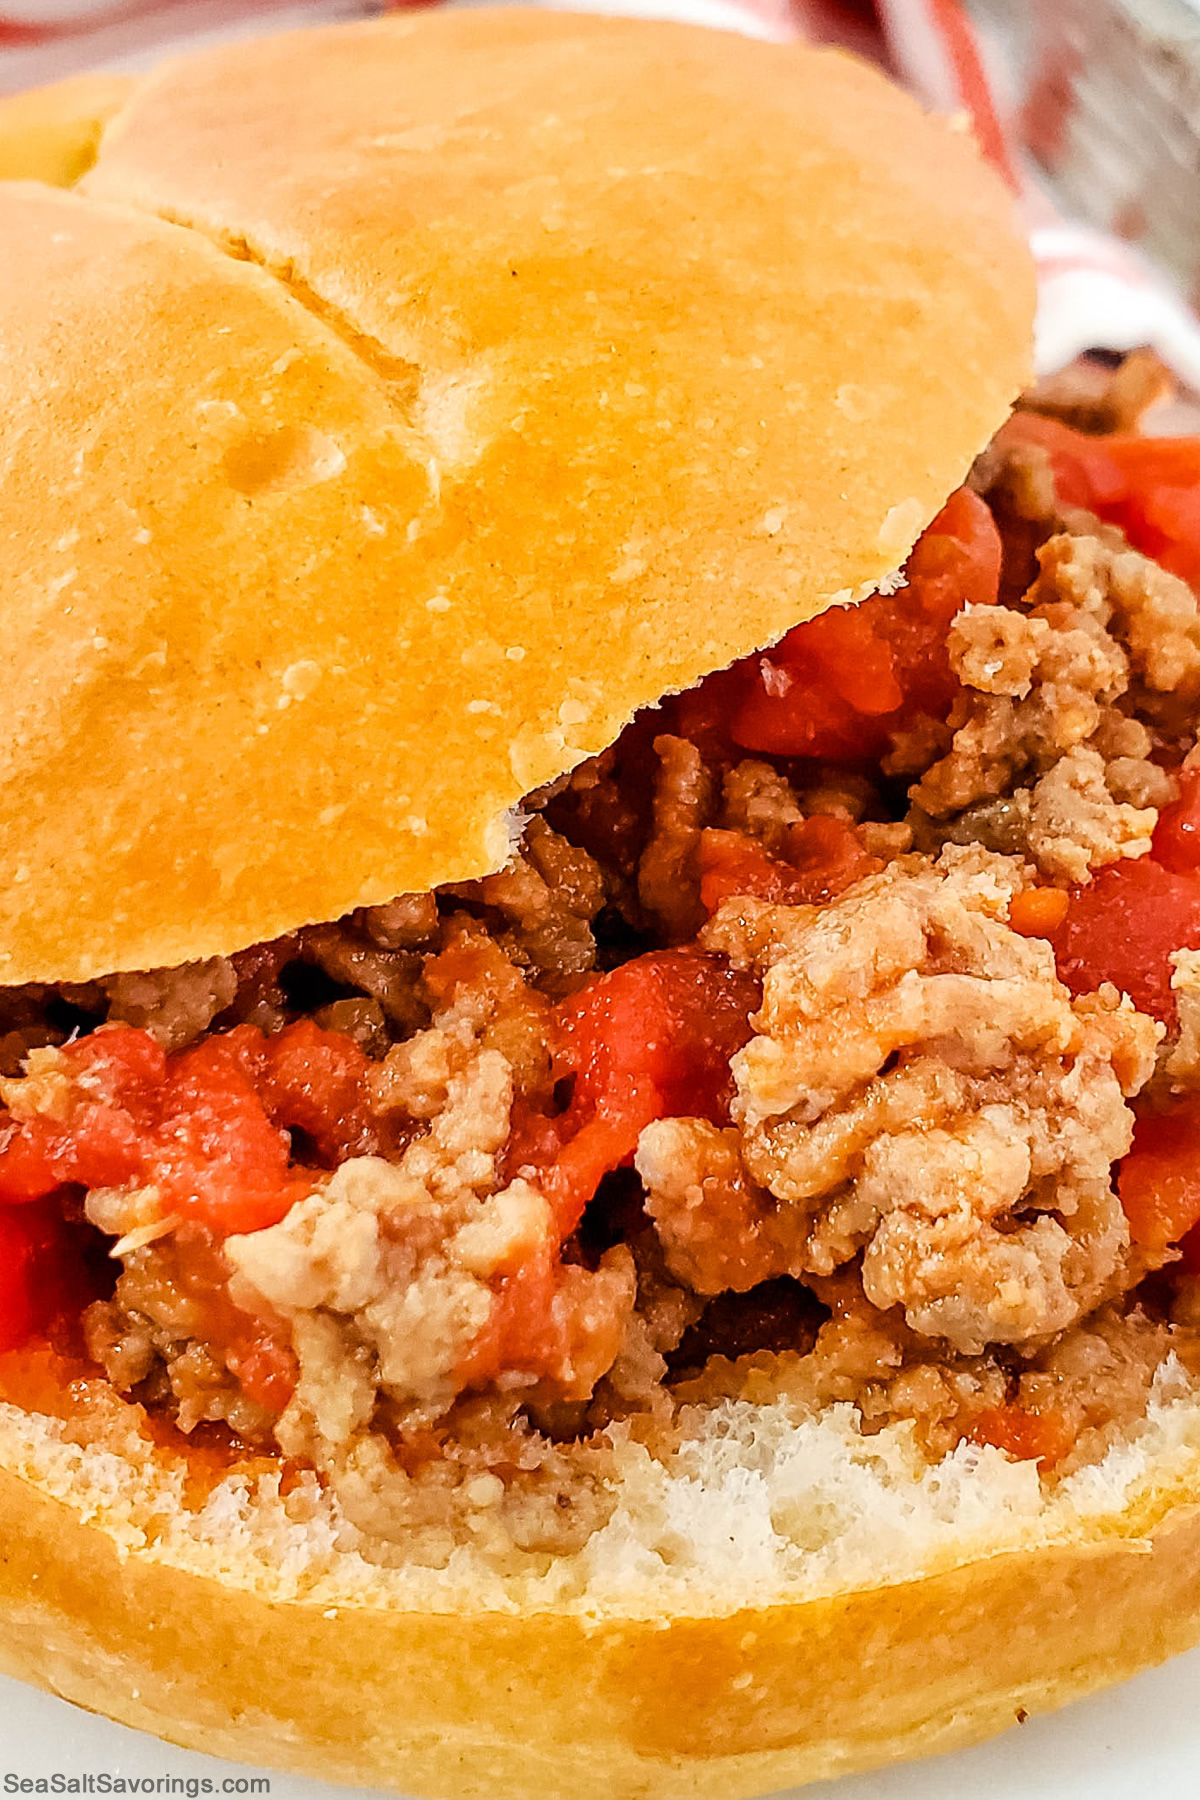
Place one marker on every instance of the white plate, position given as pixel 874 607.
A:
pixel 1137 1742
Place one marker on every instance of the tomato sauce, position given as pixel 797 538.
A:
pixel 209 1127
pixel 1149 487
pixel 46 1274
pixel 839 685
pixel 1044 1436
pixel 649 1040
pixel 1159 1180
pixel 1123 926
pixel 822 857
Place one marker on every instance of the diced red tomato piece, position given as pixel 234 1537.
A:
pixel 1149 487
pixel 1123 926
pixel 1042 1436
pixel 29 1161
pixel 40 1271
pixel 124 1066
pixel 838 685
pixel 1177 834
pixel 585 1152
pixel 1159 1180
pixel 825 690
pixel 520 1330
pixel 216 1156
pixel 667 1022
pixel 731 864
pixel 122 1071
pixel 823 857
pixel 650 1040
pixel 545 1321
pixel 315 1081
pixel 1189 1251
pixel 208 1127
pixel 37 1156
pixel 1165 523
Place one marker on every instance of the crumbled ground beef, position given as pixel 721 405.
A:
pixel 1182 1063
pixel 668 885
pixel 588 1177
pixel 1079 1394
pixel 1094 397
pixel 1016 478
pixel 924 1095
pixel 171 1332
pixel 386 1273
pixel 1043 761
pixel 543 906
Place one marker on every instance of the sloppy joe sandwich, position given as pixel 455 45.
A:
pixel 599 927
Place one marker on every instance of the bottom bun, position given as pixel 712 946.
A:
pixel 902 1610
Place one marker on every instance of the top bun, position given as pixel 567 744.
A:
pixel 51 133
pixel 394 409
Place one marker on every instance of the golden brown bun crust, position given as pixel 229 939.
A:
pixel 492 1705
pixel 596 353
pixel 51 133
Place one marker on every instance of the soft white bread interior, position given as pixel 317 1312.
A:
pixel 393 409
pixel 783 1600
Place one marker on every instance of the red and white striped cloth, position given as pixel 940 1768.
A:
pixel 1095 291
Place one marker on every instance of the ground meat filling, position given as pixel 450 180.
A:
pixel 924 1094
pixel 1051 758
pixel 836 1032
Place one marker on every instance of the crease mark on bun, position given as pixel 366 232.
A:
pixel 434 404
pixel 401 376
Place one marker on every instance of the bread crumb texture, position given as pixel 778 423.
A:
pixel 765 1504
